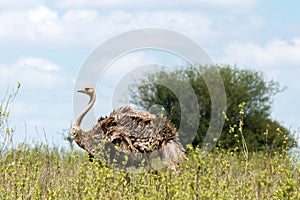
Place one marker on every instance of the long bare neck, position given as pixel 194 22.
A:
pixel 78 120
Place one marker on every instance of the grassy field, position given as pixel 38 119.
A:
pixel 41 172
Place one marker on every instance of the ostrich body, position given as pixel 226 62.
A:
pixel 139 134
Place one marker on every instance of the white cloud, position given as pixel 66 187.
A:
pixel 38 63
pixel 42 14
pixel 275 54
pixel 43 26
pixel 18 4
pixel 38 25
pixel 81 15
pixel 157 4
pixel 33 73
pixel 278 60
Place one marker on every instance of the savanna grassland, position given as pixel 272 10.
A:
pixel 41 172
pixel 29 171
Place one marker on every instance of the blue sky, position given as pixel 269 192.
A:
pixel 45 43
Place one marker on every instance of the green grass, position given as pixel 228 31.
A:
pixel 41 172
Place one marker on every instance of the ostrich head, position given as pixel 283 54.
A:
pixel 89 90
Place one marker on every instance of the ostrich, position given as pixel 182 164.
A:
pixel 141 136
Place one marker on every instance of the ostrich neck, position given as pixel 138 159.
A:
pixel 83 113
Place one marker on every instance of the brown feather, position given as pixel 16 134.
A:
pixel 132 131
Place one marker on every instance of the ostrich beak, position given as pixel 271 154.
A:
pixel 82 91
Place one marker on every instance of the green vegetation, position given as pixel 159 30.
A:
pixel 44 173
pixel 241 85
pixel 40 172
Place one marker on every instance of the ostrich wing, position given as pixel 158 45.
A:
pixel 137 131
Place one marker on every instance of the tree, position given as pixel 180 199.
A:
pixel 241 85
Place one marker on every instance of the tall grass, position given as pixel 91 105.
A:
pixel 43 173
